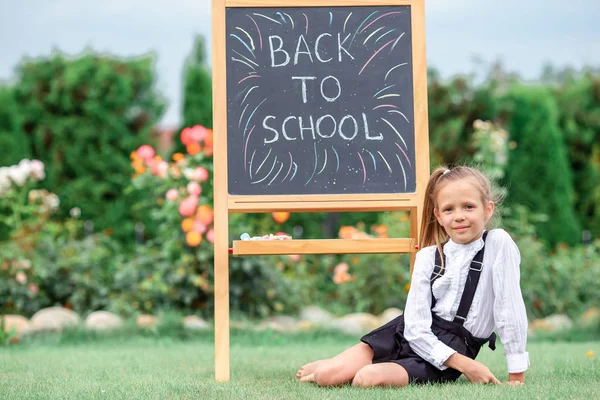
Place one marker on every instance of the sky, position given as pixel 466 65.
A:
pixel 523 34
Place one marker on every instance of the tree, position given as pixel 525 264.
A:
pixel 453 106
pixel 14 144
pixel 579 101
pixel 83 117
pixel 538 173
pixel 197 95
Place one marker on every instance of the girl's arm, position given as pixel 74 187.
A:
pixel 510 316
pixel 417 314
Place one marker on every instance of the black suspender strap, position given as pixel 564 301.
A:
pixel 471 286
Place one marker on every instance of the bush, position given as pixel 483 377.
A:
pixel 22 212
pixel 567 282
pixel 14 144
pixel 353 283
pixel 81 117
pixel 75 272
pixel 579 105
pixel 372 282
pixel 538 174
pixel 44 262
pixel 47 263
pixel 19 286
pixel 174 269
pixel 453 106
pixel 564 280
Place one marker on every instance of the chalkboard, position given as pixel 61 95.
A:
pixel 320 100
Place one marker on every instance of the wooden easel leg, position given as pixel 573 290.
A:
pixel 221 274
pixel 221 213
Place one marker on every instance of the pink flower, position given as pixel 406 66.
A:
pixel 341 268
pixel 199 174
pixel 151 163
pixel 145 152
pixel 160 169
pixel 33 288
pixel 194 188
pixel 294 257
pixel 210 236
pixel 196 133
pixel 188 206
pixel 199 227
pixel 341 275
pixel 21 277
pixel 186 137
pixel 172 195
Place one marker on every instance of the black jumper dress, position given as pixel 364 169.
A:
pixel 389 344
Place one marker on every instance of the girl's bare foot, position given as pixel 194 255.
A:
pixel 308 378
pixel 307 369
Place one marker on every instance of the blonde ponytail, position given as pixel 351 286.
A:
pixel 431 231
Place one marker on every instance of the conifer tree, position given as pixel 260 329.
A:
pixel 538 173
pixel 579 101
pixel 197 97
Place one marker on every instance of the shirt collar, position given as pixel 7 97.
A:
pixel 451 247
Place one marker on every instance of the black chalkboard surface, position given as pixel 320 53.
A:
pixel 320 100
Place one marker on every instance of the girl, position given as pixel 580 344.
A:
pixel 460 291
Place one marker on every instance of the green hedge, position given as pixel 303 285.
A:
pixel 14 144
pixel 82 117
pixel 538 173
pixel 579 119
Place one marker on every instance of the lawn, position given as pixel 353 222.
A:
pixel 262 367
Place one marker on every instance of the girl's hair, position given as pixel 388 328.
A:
pixel 431 232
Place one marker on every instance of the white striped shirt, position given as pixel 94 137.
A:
pixel 498 303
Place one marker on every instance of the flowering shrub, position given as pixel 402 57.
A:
pixel 45 262
pixel 491 144
pixel 175 268
pixel 19 206
pixel 25 217
pixel 19 286
pixel 15 184
pixel 353 283
pixel 373 282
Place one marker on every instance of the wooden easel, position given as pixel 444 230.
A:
pixel 226 203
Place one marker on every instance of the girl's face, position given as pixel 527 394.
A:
pixel 461 211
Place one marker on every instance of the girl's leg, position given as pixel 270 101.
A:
pixel 383 374
pixel 341 368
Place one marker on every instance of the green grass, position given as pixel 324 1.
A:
pixel 82 366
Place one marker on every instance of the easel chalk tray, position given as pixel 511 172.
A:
pixel 319 105
pixel 285 245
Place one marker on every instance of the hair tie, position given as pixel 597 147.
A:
pixel 446 171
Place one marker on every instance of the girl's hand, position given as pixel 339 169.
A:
pixel 473 370
pixel 476 372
